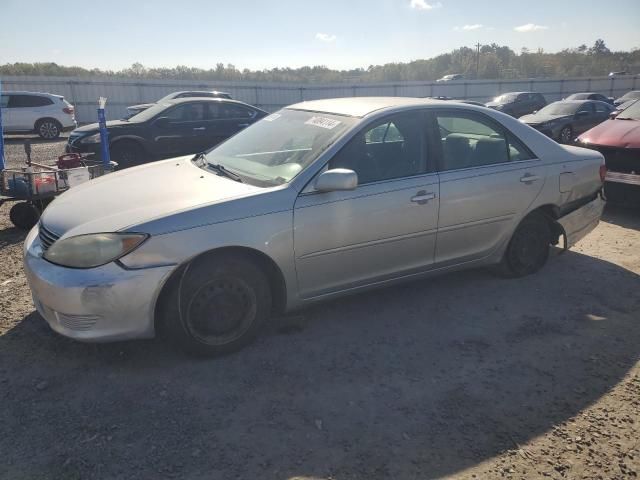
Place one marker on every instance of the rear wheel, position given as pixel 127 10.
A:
pixel 127 154
pixel 24 215
pixel 528 249
pixel 566 135
pixel 217 307
pixel 48 129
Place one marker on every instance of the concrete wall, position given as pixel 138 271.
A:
pixel 84 92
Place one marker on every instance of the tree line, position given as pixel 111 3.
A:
pixel 486 62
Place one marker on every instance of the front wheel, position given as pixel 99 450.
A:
pixel 528 249
pixel 217 306
pixel 127 154
pixel 566 135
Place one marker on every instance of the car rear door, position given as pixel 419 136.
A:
pixel 585 118
pixel 26 110
pixel 184 131
pixel 383 229
pixel 487 179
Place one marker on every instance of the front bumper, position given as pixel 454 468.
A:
pixel 101 304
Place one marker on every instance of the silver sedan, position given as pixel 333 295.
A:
pixel 323 198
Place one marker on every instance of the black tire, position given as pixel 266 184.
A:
pixel 24 215
pixel 48 128
pixel 216 306
pixel 127 154
pixel 528 249
pixel 566 135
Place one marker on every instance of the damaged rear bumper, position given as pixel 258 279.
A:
pixel 582 221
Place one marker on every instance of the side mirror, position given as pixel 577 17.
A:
pixel 162 122
pixel 336 179
pixel 614 114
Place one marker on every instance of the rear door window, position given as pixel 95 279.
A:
pixel 231 111
pixel 187 112
pixel 25 101
pixel 470 140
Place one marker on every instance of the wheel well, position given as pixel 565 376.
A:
pixel 40 120
pixel 551 213
pixel 125 141
pixel 275 277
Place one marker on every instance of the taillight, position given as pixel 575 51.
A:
pixel 603 172
pixel 68 110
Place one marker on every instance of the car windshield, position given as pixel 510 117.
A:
pixel 278 147
pixel 149 113
pixel 560 108
pixel 506 98
pixel 630 113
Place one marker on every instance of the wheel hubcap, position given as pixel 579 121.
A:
pixel 48 130
pixel 565 135
pixel 221 311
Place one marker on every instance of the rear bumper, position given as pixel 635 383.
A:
pixel 579 223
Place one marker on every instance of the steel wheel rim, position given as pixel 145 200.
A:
pixel 221 311
pixel 48 130
pixel 565 135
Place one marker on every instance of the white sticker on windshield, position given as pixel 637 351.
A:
pixel 323 122
pixel 272 117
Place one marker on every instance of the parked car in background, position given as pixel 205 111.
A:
pixel 565 119
pixel 450 78
pixel 134 109
pixel 321 199
pixel 622 107
pixel 618 140
pixel 632 95
pixel 462 100
pixel 167 129
pixel 618 74
pixel 590 96
pixel 32 112
pixel 517 104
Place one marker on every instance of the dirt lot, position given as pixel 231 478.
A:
pixel 464 376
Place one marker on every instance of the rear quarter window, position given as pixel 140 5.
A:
pixel 24 101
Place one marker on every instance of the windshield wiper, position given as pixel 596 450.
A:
pixel 220 169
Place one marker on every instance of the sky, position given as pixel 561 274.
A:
pixel 253 34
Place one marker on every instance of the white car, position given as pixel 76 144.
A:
pixel 43 113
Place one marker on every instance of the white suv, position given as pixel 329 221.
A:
pixel 43 113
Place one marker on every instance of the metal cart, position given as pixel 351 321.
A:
pixel 33 187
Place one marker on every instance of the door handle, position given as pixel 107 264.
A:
pixel 423 197
pixel 242 125
pixel 528 178
pixel 199 129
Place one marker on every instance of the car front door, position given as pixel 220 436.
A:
pixel 180 129
pixel 487 179
pixel 382 229
pixel 23 115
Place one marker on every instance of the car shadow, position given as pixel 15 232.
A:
pixel 34 139
pixel 420 380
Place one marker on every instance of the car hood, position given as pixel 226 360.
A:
pixel 494 104
pixel 535 119
pixel 614 133
pixel 121 200
pixel 94 127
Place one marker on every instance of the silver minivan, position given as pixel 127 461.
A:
pixel 320 199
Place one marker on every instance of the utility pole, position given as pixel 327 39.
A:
pixel 477 58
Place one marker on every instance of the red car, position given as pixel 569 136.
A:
pixel 618 139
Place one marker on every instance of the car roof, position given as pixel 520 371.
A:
pixel 24 92
pixel 177 101
pixel 199 91
pixel 362 106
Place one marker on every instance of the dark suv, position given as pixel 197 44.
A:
pixel 518 104
pixel 167 129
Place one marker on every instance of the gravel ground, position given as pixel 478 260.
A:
pixel 463 376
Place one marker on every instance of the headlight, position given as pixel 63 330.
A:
pixel 95 138
pixel 93 250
